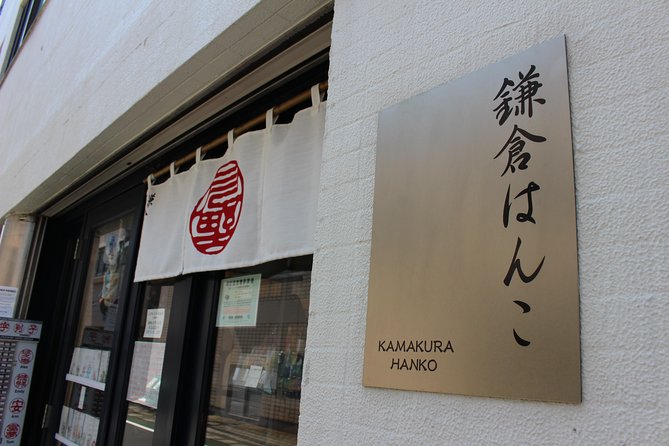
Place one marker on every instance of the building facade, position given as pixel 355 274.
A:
pixel 100 95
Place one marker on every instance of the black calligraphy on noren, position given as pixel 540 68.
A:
pixel 149 202
pixel 518 98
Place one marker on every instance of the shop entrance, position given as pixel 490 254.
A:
pixel 84 294
pixel 173 361
pixel 166 362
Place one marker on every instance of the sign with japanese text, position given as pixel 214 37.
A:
pixel 155 320
pixel 18 349
pixel 238 302
pixel 473 283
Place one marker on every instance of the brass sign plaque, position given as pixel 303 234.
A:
pixel 473 284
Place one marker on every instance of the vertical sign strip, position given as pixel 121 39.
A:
pixel 18 348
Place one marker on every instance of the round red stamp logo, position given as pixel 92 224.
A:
pixel 16 405
pixel 21 381
pixel 214 219
pixel 25 356
pixel 12 431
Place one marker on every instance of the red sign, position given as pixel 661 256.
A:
pixel 12 431
pixel 215 216
pixel 21 381
pixel 16 405
pixel 25 356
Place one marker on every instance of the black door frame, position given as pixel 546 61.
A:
pixel 61 322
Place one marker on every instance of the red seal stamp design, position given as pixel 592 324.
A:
pixel 12 431
pixel 215 216
pixel 21 381
pixel 16 405
pixel 25 356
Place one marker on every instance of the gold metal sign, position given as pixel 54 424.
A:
pixel 473 283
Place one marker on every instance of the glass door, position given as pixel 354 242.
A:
pixel 105 284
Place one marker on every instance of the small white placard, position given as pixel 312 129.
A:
pixel 7 300
pixel 155 319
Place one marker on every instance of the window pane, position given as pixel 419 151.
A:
pixel 257 375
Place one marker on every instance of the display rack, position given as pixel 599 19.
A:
pixel 85 382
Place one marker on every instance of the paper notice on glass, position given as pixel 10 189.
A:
pixel 238 301
pixel 155 319
pixel 253 376
pixel 7 300
pixel 146 373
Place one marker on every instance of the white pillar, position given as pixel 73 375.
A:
pixel 15 241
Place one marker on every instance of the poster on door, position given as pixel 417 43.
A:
pixel 7 300
pixel 146 373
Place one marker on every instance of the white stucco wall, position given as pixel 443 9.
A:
pixel 94 75
pixel 386 51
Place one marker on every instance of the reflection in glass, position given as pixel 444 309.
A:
pixel 257 375
pixel 147 365
pixel 107 274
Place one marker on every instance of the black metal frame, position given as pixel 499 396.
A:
pixel 28 16
pixel 195 367
pixel 60 313
pixel 53 286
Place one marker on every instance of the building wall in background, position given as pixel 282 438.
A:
pixel 384 52
pixel 93 76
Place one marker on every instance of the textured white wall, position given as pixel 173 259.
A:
pixel 386 51
pixel 93 75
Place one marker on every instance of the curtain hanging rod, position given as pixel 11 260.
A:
pixel 238 131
